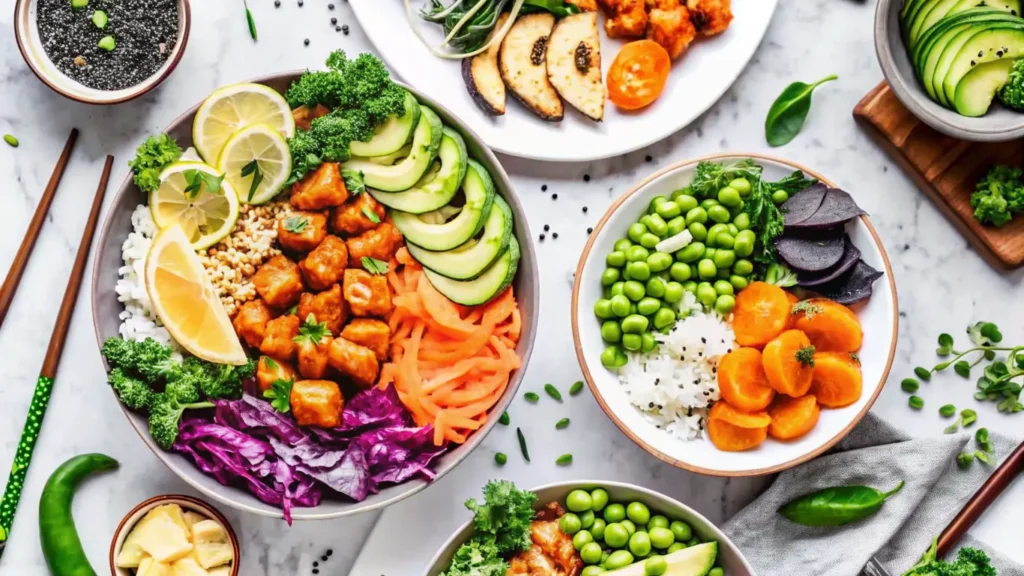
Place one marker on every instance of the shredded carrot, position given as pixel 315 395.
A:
pixel 450 364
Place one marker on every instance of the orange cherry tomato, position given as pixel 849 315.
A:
pixel 638 74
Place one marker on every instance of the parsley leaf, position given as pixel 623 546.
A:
pixel 151 158
pixel 195 179
pixel 374 266
pixel 506 514
pixel 279 394
pixel 312 331
pixel 296 224
pixel 353 181
pixel 805 356
pixel 371 215
pixel 253 167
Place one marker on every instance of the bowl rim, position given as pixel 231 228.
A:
pixel 210 510
pixel 919 105
pixel 578 344
pixel 576 484
pixel 532 277
pixel 176 55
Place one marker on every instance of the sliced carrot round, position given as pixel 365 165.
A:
pixel 727 412
pixel 761 313
pixel 742 381
pixel 793 301
pixel 788 363
pixel 731 438
pixel 793 417
pixel 830 326
pixel 837 379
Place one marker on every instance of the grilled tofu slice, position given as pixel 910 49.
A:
pixel 482 77
pixel 574 63
pixel 524 67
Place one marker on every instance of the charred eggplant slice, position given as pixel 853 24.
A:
pixel 482 77
pixel 524 68
pixel 574 63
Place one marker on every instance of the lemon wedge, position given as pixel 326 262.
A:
pixel 185 301
pixel 205 216
pixel 263 145
pixel 231 108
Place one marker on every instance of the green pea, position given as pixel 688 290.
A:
pixel 681 530
pixel 587 519
pixel 714 231
pixel 622 244
pixel 615 535
pixel 632 308
pixel 673 292
pixel 659 261
pixel 710 252
pixel 741 185
pixel 664 317
pixel 636 230
pixel 723 287
pixel 598 499
pixel 724 259
pixel 649 240
pixel 743 267
pixel 668 210
pixel 581 539
pixel 662 537
pixel 638 512
pixel 569 523
pixel 733 229
pixel 676 547
pixel 692 542
pixel 744 244
pixel 620 304
pixel 639 271
pixel 633 290
pixel 690 286
pixel 637 254
pixel 609 357
pixel 655 566
pixel 604 557
pixel 640 544
pixel 655 202
pixel 724 304
pixel 647 342
pixel 738 282
pixel 616 259
pixel 729 196
pixel 706 269
pixel 632 342
pixel 657 225
pixel 741 221
pixel 719 214
pixel 676 225
pixel 717 571
pixel 685 202
pixel 590 553
pixel 656 287
pixel 725 240
pixel 698 231
pixel 618 559
pixel 657 521
pixel 708 203
pixel 592 570
pixel 629 525
pixel 609 276
pixel 691 253
pixel 697 214
pixel 679 272
pixel 610 331
pixel 597 529
pixel 735 211
pixel 615 289
pixel 635 323
pixel 647 306
pixel 603 309
pixel 779 197
pixel 706 294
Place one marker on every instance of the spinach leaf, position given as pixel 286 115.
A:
pixel 789 111
pixel 836 506
pixel 560 8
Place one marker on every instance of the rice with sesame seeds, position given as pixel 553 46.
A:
pixel 138 320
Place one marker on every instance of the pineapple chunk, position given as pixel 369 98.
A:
pixel 212 554
pixel 208 531
pixel 193 518
pixel 188 567
pixel 175 513
pixel 150 567
pixel 131 554
pixel 165 536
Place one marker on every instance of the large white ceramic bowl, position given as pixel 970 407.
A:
pixel 878 317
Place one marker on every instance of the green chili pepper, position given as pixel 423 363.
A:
pixel 57 534
pixel 576 388
pixel 836 506
pixel 503 419
pixel 553 392
pixel 522 444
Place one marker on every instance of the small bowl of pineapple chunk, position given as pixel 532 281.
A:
pixel 174 535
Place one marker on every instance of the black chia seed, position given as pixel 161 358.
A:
pixel 586 177
pixel 547 227
pixel 554 196
pixel 306 42
pixel 590 230
pixel 584 209
pixel 544 188
pixel 146 32
pixel 334 20
pixel 542 237
pixel 344 29
pixel 337 28
pixel 554 235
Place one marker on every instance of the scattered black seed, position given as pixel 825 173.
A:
pixel 589 230
pixel 300 3
pixel 586 177
pixel 277 3
pixel 703 340
pixel 584 209
pixel 330 6
pixel 544 188
pixel 334 20
pixel 306 41
pixel 542 237
pixel 650 404
pixel 648 158
pixel 546 227
pixel 554 196
pixel 330 552
pixel 554 235
pixel 315 564
pixel 337 28
pixel 323 558
pixel 344 29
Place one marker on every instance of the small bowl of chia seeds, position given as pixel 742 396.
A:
pixel 102 51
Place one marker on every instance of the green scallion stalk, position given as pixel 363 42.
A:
pixel 553 392
pixel 504 419
pixel 576 388
pixel 531 396
pixel 522 444
pixel 564 460
pixel 562 424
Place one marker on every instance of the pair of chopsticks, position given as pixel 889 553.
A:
pixel 44 385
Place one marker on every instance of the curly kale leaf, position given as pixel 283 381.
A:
pixel 1012 93
pixel 151 158
pixel 969 562
pixel 506 514
pixel 478 557
pixel 998 195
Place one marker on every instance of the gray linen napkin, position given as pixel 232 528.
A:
pixel 878 455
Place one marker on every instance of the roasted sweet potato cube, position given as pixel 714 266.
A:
pixel 311 356
pixel 324 188
pixel 324 266
pixel 356 362
pixel 304 115
pixel 351 217
pixel 367 294
pixel 327 306
pixel 381 243
pixel 317 403
pixel 374 334
pixel 251 322
pixel 302 231
pixel 270 370
pixel 277 339
pixel 278 282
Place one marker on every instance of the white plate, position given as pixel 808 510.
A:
pixel 698 80
pixel 878 317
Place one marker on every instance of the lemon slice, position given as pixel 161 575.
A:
pixel 264 145
pixel 231 108
pixel 186 302
pixel 205 217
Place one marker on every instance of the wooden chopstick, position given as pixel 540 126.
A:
pixel 10 285
pixel 44 386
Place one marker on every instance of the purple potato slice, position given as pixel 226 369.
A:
pixel 808 255
pixel 803 204
pixel 850 257
pixel 837 207
pixel 852 287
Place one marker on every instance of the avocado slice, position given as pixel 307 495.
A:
pixel 993 44
pixel 938 48
pixel 484 287
pixel 692 561
pixel 975 92
pixel 393 134
pixel 941 32
pixel 439 235
pixel 474 256
pixel 403 174
pixel 438 186
pixel 934 11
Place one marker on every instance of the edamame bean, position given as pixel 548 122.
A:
pixel 741 185
pixel 632 308
pixel 629 526
pixel 724 304
pixel 655 566
pixel 780 196
pixel 647 342
pixel 610 357
pixel 569 523
pixel 723 273
pixel 578 501
pixel 710 252
pixel 597 529
pixel 676 225
pixel 664 317
pixel 668 210
pixel 717 571
pixel 615 289
pixel 649 240
pixel 744 245
pixel 615 259
pixel 725 240
pixel 622 245
pixel 659 261
pixel 743 267
pixel 707 203
pixel 697 214
pixel 691 253
pixel 698 231
pixel 632 342
pixel 639 271
pixel 657 521
pixel 676 547
pixel 637 254
pixel 634 324
pixel 706 294
pixel 706 269
pixel 661 537
pixel 648 306
pixel 713 233
pixel 685 202
pixel 742 221
pixel 690 286
pixel 587 519
pixel 673 292
pixel 635 231
pixel 719 214
pixel 655 202
pixel 598 499
pixel 610 276
pixel 603 309
pixel 615 535
pixel 738 282
pixel 604 557
pixel 733 229
pixel 620 304
pixel 581 539
pixel 656 224
pixel 618 559
pixel 590 553
pixel 592 571
pixel 724 258
pixel 692 542
pixel 633 290
pixel 730 197
pixel 723 287
pixel 656 287
pixel 679 272
pixel 638 512
pixel 610 331
pixel 736 210
pixel 640 544
pixel 681 530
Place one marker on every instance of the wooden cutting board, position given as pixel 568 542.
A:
pixel 946 169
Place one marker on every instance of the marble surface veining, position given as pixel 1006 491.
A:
pixel 942 283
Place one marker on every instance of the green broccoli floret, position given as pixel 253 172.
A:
pixel 165 417
pixel 134 393
pixel 224 382
pixel 998 195
pixel 1012 93
pixel 146 359
pixel 151 158
pixel 478 557
pixel 969 562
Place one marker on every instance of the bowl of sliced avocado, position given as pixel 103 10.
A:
pixel 958 65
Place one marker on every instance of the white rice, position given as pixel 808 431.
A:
pixel 138 320
pixel 675 387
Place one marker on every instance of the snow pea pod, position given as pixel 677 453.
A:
pixel 836 506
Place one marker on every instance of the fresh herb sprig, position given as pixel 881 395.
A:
pixel 788 113
pixel 195 179
pixel 151 157
pixel 374 266
pixel 253 169
pixel 279 394
pixel 250 21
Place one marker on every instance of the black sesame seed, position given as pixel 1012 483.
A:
pixel 703 340
pixel 584 209
pixel 277 3
pixel 306 41
pixel 344 29
pixel 554 196
pixel 330 6
pixel 554 234
pixel 586 177
pixel 590 230
pixel 315 564
pixel 650 404
pixel 334 20
pixel 541 237
pixel 323 558
pixel 337 28
pixel 330 552
pixel 546 227
pixel 648 158
pixel 544 188
pixel 660 407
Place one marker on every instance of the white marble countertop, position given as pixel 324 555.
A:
pixel 942 283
